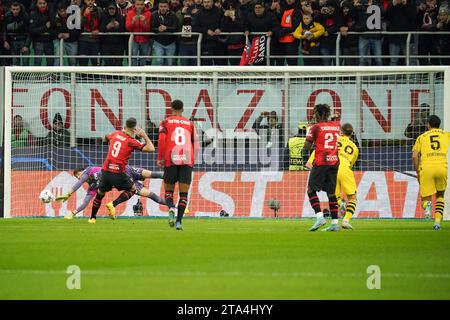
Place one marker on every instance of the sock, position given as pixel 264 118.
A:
pixel 124 196
pixel 157 198
pixel 314 201
pixel 182 203
pixel 157 175
pixel 96 205
pixel 332 201
pixel 350 210
pixel 334 221
pixel 439 210
pixel 169 199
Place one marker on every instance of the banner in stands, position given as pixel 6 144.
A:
pixel 379 111
pixel 380 195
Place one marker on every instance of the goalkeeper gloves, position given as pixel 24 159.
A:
pixel 64 197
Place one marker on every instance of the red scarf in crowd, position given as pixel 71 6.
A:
pixel 92 22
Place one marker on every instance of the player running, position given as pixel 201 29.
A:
pixel 324 135
pixel 91 176
pixel 429 157
pixel 121 146
pixel 348 154
pixel 177 147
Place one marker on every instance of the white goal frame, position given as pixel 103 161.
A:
pixel 250 71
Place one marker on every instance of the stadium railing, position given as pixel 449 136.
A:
pixel 409 56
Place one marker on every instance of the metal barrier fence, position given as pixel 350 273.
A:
pixel 199 57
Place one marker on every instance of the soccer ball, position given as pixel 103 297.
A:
pixel 46 196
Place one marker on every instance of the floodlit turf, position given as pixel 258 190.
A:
pixel 222 259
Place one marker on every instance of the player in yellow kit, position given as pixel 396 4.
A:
pixel 430 162
pixel 348 154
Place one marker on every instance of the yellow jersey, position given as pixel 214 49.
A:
pixel 432 146
pixel 348 152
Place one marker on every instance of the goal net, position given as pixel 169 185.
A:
pixel 249 120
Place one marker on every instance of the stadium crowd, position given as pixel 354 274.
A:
pixel 296 27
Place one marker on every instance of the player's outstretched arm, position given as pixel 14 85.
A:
pixel 84 177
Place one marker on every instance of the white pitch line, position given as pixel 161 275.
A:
pixel 225 274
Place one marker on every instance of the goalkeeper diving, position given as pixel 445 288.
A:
pixel 91 176
pixel 348 154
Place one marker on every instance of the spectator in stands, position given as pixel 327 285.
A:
pixel 123 6
pixel 18 42
pixel 175 5
pixel 112 22
pixel 233 21
pixel 443 41
pixel 59 136
pixel 272 124
pixel 70 36
pixel 309 32
pixel 289 17
pixel 331 19
pixel 188 43
pixel 419 123
pixel 426 20
pixel 138 20
pixel 40 27
pixel 2 34
pixel 207 21
pixel 260 20
pixel 349 43
pixel 369 44
pixel 89 44
pixel 164 21
pixel 245 7
pixel 400 15
pixel 198 4
pixel 20 136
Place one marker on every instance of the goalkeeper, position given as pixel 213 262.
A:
pixel 91 175
pixel 348 154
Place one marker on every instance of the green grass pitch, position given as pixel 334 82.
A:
pixel 222 259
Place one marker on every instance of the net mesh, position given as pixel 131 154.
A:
pixel 246 122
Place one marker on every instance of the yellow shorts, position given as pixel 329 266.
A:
pixel 432 179
pixel 345 182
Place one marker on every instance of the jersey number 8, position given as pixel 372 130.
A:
pixel 179 136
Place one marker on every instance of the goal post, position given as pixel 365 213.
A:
pixel 246 117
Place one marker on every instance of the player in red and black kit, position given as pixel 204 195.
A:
pixel 121 146
pixel 324 135
pixel 177 148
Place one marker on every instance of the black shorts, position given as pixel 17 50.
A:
pixel 175 174
pixel 120 181
pixel 323 178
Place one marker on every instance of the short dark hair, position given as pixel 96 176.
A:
pixel 434 121
pixel 347 129
pixel 131 123
pixel 77 170
pixel 163 1
pixel 177 105
pixel 322 110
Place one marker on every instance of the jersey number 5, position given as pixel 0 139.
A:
pixel 435 143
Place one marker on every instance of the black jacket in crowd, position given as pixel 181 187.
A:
pixel 112 40
pixel 265 23
pixel 38 26
pixel 332 24
pixel 401 18
pixel 361 21
pixel 238 25
pixel 18 25
pixel 170 21
pixel 59 25
pixel 206 20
